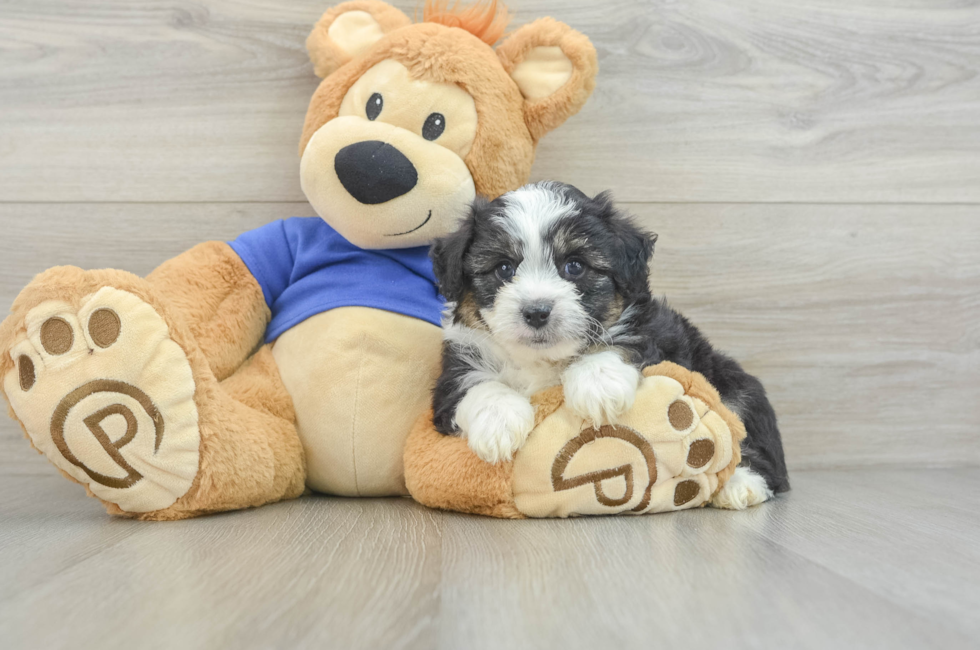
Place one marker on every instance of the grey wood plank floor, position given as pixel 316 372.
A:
pixel 867 558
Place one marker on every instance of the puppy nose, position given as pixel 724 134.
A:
pixel 537 315
pixel 374 172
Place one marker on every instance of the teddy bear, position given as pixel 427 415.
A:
pixel 298 356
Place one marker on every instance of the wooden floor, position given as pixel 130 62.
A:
pixel 813 170
pixel 849 559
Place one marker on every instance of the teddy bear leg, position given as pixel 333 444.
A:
pixel 107 379
pixel 250 452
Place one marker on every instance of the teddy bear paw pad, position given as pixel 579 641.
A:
pixel 108 397
pixel 662 455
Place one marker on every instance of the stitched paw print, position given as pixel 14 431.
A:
pixel 108 397
pixel 663 454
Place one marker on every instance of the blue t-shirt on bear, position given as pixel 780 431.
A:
pixel 306 268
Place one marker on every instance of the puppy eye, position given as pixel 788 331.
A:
pixel 504 271
pixel 374 105
pixel 434 125
pixel 574 269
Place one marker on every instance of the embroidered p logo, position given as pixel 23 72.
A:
pixel 579 446
pixel 94 423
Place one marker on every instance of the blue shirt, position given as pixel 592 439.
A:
pixel 306 268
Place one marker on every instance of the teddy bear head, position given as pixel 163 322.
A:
pixel 413 120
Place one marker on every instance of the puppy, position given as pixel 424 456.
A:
pixel 548 286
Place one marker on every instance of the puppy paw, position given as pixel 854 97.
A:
pixel 744 489
pixel 600 387
pixel 495 420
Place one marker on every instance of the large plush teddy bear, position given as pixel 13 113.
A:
pixel 299 355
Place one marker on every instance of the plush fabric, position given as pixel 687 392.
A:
pixel 545 112
pixel 371 372
pixel 509 127
pixel 441 473
pixel 221 301
pixel 158 394
pixel 673 450
pixel 485 20
pixel 126 370
pixel 248 452
pixel 305 268
pixel 370 19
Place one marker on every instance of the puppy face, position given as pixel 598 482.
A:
pixel 544 268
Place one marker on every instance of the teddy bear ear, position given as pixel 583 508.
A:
pixel 349 29
pixel 554 66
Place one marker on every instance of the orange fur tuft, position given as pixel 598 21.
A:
pixel 485 20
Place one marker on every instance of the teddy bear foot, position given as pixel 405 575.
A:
pixel 107 395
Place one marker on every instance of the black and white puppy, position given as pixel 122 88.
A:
pixel 548 286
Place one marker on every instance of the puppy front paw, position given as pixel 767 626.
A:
pixel 600 387
pixel 495 419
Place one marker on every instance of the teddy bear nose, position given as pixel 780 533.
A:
pixel 374 172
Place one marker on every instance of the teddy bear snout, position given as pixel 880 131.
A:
pixel 375 172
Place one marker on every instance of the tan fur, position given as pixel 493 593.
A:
pixel 359 377
pixel 509 128
pixel 221 302
pixel 485 19
pixel 501 155
pixel 547 114
pixel 468 313
pixel 614 312
pixel 250 453
pixel 442 472
pixel 546 402
pixel 326 55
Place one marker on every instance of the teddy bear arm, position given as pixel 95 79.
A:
pixel 220 301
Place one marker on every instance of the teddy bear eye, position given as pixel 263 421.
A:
pixel 374 105
pixel 434 125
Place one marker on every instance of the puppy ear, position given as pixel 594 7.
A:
pixel 554 66
pixel 447 255
pixel 348 30
pixel 632 270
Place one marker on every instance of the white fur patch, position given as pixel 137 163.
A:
pixel 600 387
pixel 532 209
pixel 530 212
pixel 495 420
pixel 744 489
pixel 524 370
pixel 568 324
